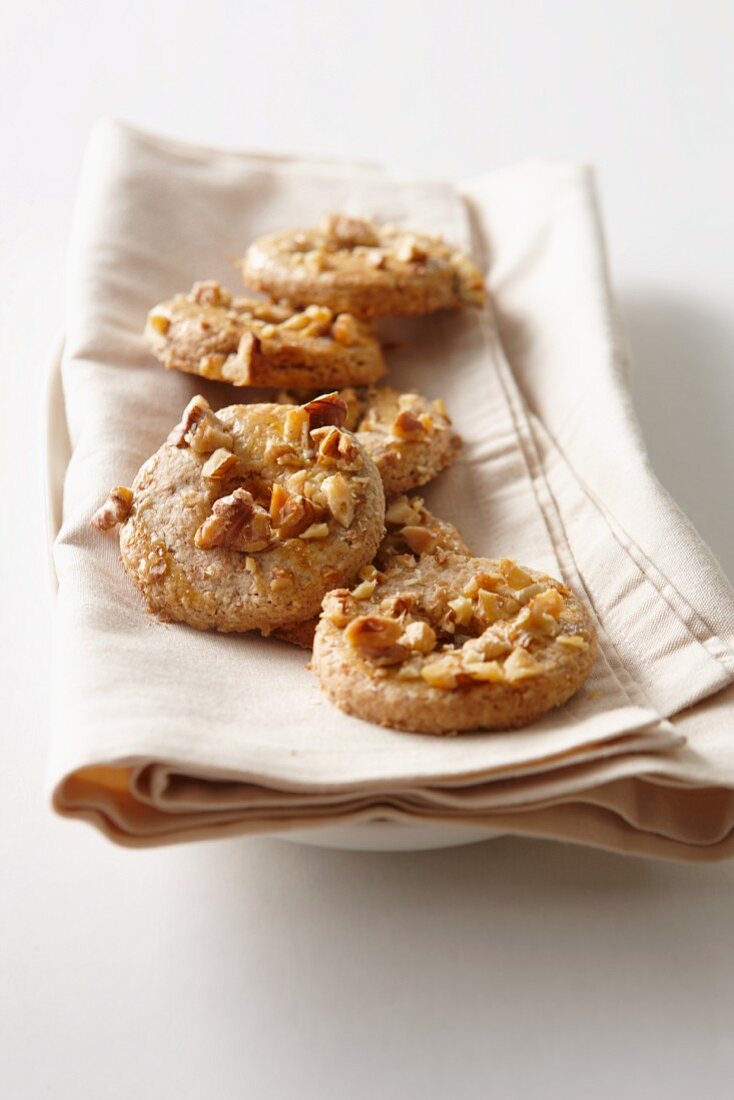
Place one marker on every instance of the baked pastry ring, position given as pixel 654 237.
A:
pixel 461 645
pixel 370 270
pixel 243 520
pixel 250 342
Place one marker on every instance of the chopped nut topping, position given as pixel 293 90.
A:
pixel 339 498
pixel 495 606
pixel 316 531
pixel 487 647
pixel 115 509
pixel 237 523
pixel 296 420
pixel 159 322
pixel 346 330
pixel 282 580
pixel 292 515
pixel 375 638
pixel 420 636
pixel 440 406
pixel 210 293
pixel 463 610
pixel 410 250
pixel 515 576
pixel 220 465
pixel 348 232
pixel 200 429
pixel 372 633
pixel 572 641
pixel 408 426
pixel 336 607
pixel 401 511
pixel 526 594
pixel 520 665
pixel 365 589
pixel 443 673
pixel 326 410
pixel 419 539
pixel 335 446
pixel 484 671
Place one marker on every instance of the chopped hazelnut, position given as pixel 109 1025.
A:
pixel 326 410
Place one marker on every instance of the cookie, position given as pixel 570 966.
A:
pixel 247 342
pixel 371 270
pixel 243 520
pixel 413 535
pixel 472 644
pixel 408 437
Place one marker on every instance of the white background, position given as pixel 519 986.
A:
pixel 257 968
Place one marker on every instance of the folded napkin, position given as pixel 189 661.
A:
pixel 162 733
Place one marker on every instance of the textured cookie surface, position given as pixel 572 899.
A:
pixel 371 270
pixel 245 519
pixel 409 438
pixel 413 534
pixel 460 645
pixel 247 342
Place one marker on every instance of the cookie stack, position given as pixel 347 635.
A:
pixel 273 516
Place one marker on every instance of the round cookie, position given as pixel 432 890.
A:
pixel 371 270
pixel 412 534
pixel 473 644
pixel 243 520
pixel 408 437
pixel 256 343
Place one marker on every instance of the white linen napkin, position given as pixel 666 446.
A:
pixel 163 733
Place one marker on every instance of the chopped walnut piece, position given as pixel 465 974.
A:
pixel 401 511
pixel 410 250
pixel 372 633
pixel 419 539
pixel 336 607
pixel 525 595
pixel 282 580
pixel 572 641
pixel 335 445
pixel 440 406
pixel 210 293
pixel 346 330
pixel 326 410
pixel 487 647
pixel 115 509
pixel 420 636
pixel 514 574
pixel 520 665
pixel 296 420
pixel 237 523
pixel 339 498
pixel 463 610
pixel 408 427
pixel 376 639
pixel 200 429
pixel 495 606
pixel 443 673
pixel 348 232
pixel 220 465
pixel 364 589
pixel 316 531
pixel 291 515
pixel 484 671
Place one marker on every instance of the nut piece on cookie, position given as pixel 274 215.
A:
pixel 353 265
pixel 115 509
pixel 236 522
pixel 251 342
